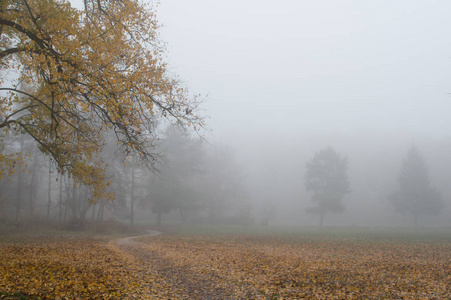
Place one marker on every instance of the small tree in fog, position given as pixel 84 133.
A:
pixel 267 210
pixel 183 170
pixel 415 195
pixel 161 206
pixel 326 176
pixel 162 199
pixel 223 183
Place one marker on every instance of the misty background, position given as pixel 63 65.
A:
pixel 284 80
pixel 324 66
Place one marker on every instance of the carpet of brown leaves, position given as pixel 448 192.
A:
pixel 76 268
pixel 226 267
pixel 314 268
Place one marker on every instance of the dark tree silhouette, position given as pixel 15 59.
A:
pixel 161 205
pixel 415 195
pixel 327 178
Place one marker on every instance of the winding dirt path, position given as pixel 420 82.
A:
pixel 185 283
pixel 127 241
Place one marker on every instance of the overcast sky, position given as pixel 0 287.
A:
pixel 327 66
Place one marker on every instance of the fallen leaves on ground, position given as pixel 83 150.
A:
pixel 293 268
pixel 227 267
pixel 61 268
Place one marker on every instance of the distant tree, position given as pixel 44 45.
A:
pixel 327 178
pixel 267 210
pixel 415 195
pixel 162 199
pixel 176 185
pixel 177 181
pixel 223 183
pixel 183 170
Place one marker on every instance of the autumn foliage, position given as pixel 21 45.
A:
pixel 82 74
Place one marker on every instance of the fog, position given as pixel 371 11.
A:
pixel 324 66
pixel 284 80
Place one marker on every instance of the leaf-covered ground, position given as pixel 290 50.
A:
pixel 227 267
pixel 292 268
pixel 75 268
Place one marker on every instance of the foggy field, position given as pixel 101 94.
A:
pixel 225 149
pixel 200 262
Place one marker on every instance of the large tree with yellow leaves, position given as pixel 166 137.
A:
pixel 69 76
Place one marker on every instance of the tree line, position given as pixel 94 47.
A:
pixel 201 181
pixel 89 109
pixel 326 177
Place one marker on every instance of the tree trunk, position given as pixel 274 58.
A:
pixel 74 200
pixel 19 188
pixel 19 196
pixel 60 204
pixel 32 191
pixel 33 184
pixel 93 212
pixel 100 212
pixel 50 189
pixel 67 184
pixel 84 203
pixel 132 196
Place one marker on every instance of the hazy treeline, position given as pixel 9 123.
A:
pixel 276 169
pixel 259 180
pixel 198 181
pixel 85 113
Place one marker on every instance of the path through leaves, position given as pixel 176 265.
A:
pixel 226 267
pixel 265 267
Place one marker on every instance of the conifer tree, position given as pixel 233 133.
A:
pixel 415 195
